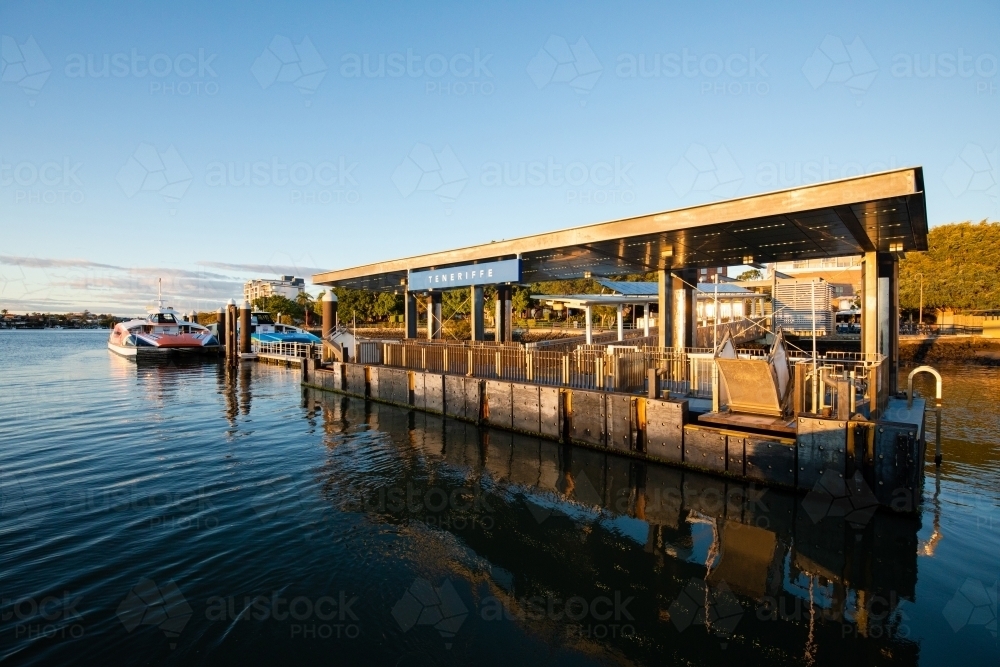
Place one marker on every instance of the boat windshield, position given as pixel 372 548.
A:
pixel 162 318
pixel 264 318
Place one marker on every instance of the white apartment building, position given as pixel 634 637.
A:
pixel 843 273
pixel 286 286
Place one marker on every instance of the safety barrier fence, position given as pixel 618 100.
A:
pixel 632 336
pixel 617 367
pixel 300 350
pixel 825 385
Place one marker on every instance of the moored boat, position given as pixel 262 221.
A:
pixel 263 329
pixel 163 332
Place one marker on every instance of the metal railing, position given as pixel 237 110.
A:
pixel 300 350
pixel 833 383
pixel 840 384
pixel 913 329
pixel 741 330
pixel 633 336
pixel 619 367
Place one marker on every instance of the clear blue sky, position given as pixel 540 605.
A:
pixel 114 174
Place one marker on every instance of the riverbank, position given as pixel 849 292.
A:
pixel 962 349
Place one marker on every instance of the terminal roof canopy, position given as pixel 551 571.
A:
pixel 883 212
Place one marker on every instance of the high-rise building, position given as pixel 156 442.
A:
pixel 286 286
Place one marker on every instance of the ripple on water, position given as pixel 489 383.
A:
pixel 234 487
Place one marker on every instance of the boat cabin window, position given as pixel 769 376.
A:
pixel 264 318
pixel 163 318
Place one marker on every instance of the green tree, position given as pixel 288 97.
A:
pixel 387 304
pixel 959 269
pixel 520 299
pixel 276 304
pixel 752 274
pixel 355 303
pixel 317 305
pixel 305 301
pixel 455 302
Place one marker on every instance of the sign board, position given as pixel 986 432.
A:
pixel 485 273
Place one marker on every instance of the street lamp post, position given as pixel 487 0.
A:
pixel 920 320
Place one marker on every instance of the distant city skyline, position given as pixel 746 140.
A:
pixel 210 144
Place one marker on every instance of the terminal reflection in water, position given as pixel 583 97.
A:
pixel 751 571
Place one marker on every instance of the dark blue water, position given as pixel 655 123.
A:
pixel 190 515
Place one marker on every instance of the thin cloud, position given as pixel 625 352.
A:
pixel 39 305
pixel 42 263
pixel 276 269
pixel 60 285
pixel 159 271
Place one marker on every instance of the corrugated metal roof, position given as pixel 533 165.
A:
pixel 628 288
pixel 724 288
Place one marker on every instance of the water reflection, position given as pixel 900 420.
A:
pixel 712 567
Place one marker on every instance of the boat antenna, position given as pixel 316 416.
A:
pixel 159 292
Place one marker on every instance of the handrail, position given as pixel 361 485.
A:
pixel 909 384
pixel 937 404
pixel 287 349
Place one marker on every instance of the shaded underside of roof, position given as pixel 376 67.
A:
pixel 580 300
pixel 645 288
pixel 880 212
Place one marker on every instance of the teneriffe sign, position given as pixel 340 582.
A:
pixel 485 273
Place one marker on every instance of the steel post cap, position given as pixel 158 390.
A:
pixel 245 306
pixel 329 296
pixel 231 302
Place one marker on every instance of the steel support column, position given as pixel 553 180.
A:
pixel 477 313
pixel 621 324
pixel 503 314
pixel 410 314
pixel 434 316
pixel 665 307
pixel 888 297
pixel 684 320
pixel 880 311
pixel 645 319
pixel 589 338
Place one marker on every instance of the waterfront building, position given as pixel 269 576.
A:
pixel 286 286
